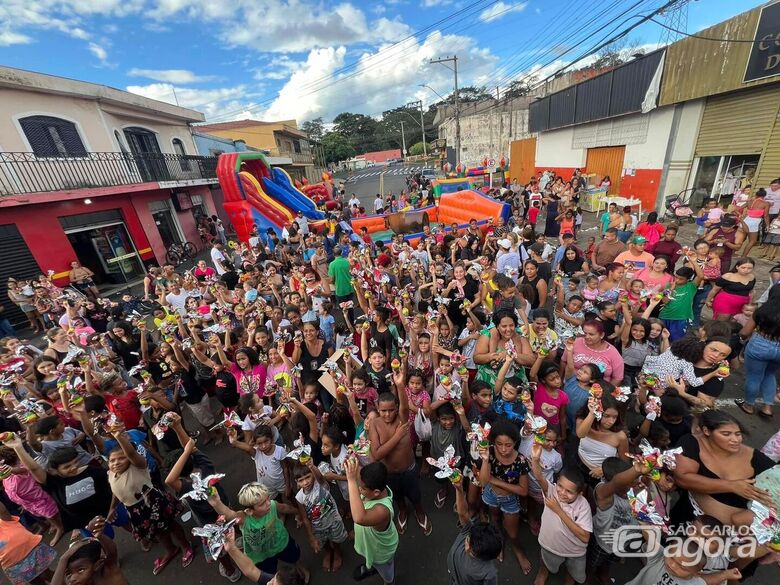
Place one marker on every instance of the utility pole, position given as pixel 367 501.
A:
pixel 454 60
pixel 419 104
pixel 403 142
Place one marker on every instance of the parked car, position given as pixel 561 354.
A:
pixel 430 174
pixel 394 161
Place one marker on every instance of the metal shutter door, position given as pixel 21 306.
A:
pixel 769 165
pixel 607 160
pixel 18 263
pixel 738 123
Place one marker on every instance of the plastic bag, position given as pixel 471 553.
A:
pixel 772 447
pixel 422 426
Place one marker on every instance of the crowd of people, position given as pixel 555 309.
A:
pixel 534 377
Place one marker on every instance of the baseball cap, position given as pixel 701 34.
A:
pixel 505 243
pixel 638 240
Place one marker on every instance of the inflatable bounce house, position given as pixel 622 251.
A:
pixel 454 207
pixel 257 195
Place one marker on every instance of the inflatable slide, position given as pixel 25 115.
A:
pixel 455 208
pixel 257 195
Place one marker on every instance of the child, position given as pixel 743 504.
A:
pixel 708 206
pixel 772 239
pixel 551 462
pixel 418 401
pixel 472 557
pixel 90 562
pixel 635 338
pixel 678 310
pixel 591 291
pixel 321 517
pixel 566 522
pixel 365 395
pixel 23 557
pixel 533 213
pixel 747 313
pixel 327 322
pixel 371 504
pixel 391 444
pixel 549 398
pixel 448 430
pixel 481 398
pixel 22 489
pixel 335 453
pixel 271 473
pixel 266 540
pixel 254 413
pixel 503 475
pixel 379 374
pixel 508 405
pixel 53 434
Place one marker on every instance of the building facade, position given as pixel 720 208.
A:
pixel 699 117
pixel 94 174
pixel 281 140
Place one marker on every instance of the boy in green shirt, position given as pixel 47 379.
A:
pixel 371 504
pixel 677 311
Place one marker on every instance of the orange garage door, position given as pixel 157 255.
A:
pixel 522 160
pixel 607 160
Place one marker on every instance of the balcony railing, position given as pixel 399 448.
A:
pixel 299 158
pixel 24 172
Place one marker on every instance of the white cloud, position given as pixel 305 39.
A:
pixel 98 52
pixel 9 37
pixel 212 102
pixel 500 9
pixel 171 75
pixel 432 3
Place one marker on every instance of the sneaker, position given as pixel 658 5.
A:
pixel 233 578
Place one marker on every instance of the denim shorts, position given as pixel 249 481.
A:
pixel 507 504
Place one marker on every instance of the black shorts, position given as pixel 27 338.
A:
pixel 406 485
pixel 290 555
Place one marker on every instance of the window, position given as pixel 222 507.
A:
pixel 297 146
pixel 178 148
pixel 52 137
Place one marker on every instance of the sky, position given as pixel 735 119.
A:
pixel 301 59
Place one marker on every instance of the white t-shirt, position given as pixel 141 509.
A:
pixel 218 258
pixel 337 466
pixel 379 205
pixel 550 462
pixel 354 202
pixel 269 470
pixel 774 198
pixel 177 301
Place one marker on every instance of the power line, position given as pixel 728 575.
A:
pixel 703 38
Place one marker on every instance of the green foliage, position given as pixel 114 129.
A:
pixel 337 147
pixel 417 148
pixel 314 128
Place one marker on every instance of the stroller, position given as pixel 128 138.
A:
pixel 678 207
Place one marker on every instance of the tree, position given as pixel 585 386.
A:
pixel 521 87
pixel 337 147
pixel 471 93
pixel 417 149
pixel 314 128
pixel 616 54
pixel 360 130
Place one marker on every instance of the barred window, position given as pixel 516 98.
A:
pixel 52 137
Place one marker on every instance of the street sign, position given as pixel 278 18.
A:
pixel 492 163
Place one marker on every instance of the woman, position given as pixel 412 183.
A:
pixel 59 344
pixel 461 287
pixel 152 512
pixel 531 277
pixel 592 348
pixel 542 339
pixel 203 271
pixel 249 373
pixel 706 368
pixel 81 278
pixel 732 291
pixel 600 438
pixel 656 276
pixel 311 353
pixel 681 359
pixel 552 227
pixel 489 363
pixel 573 264
pixel 610 285
pixel 756 211
pixel 23 297
pixel 606 183
pixel 709 262
pixel 127 343
pixel 651 230
pixel 762 359
pixel 717 468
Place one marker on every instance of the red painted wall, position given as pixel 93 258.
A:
pixel 643 185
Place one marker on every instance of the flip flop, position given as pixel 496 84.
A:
pixel 161 563
pixel 426 525
pixel 439 500
pixel 765 414
pixel 362 572
pixel 187 556
pixel 743 406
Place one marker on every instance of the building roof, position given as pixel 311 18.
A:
pixel 290 126
pixel 381 155
pixel 21 79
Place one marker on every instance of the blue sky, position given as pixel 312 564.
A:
pixel 305 58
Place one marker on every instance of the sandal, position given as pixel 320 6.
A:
pixel 162 562
pixel 362 572
pixel 402 524
pixel 440 499
pixel 744 406
pixel 187 556
pixel 146 546
pixel 426 525
pixel 765 414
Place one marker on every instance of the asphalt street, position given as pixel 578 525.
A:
pixel 365 183
pixel 419 558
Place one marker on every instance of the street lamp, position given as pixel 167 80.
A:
pixel 419 104
pixel 434 91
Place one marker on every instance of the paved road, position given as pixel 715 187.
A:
pixel 365 183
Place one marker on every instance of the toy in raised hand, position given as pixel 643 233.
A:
pixel 446 464
pixel 215 535
pixel 654 460
pixel 202 488
pixel 644 510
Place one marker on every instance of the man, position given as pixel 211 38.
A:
pixel 303 224
pixel 354 201
pixel 635 258
pixel 379 205
pixel 772 293
pixel 727 237
pixel 339 274
pixel 176 298
pixel 6 329
pixel 606 250
pixel 218 258
pixel 668 246
pixel 773 197
pixel 220 227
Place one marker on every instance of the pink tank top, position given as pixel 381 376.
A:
pixel 753 212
